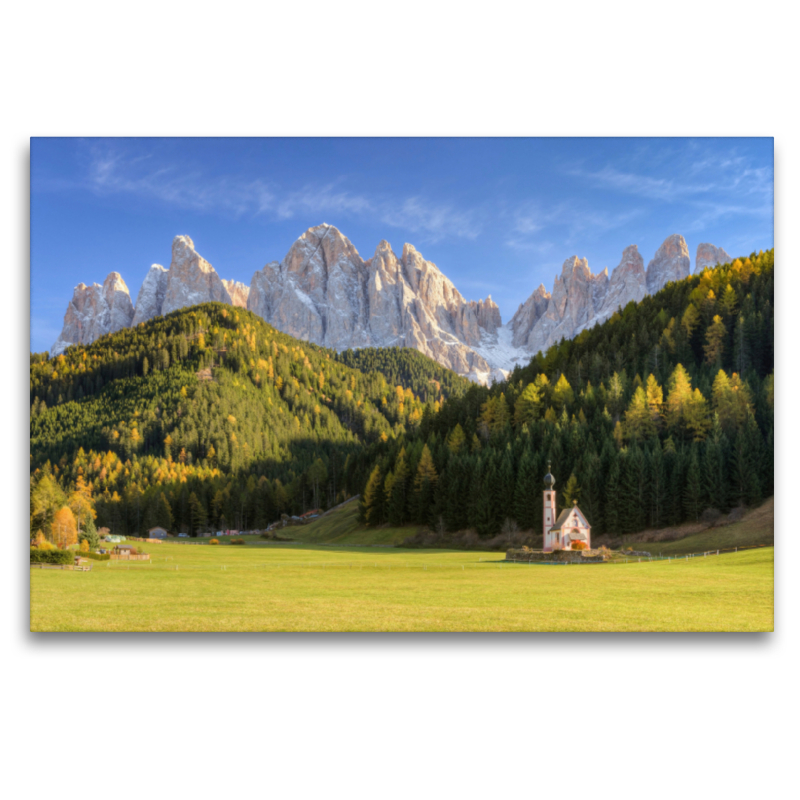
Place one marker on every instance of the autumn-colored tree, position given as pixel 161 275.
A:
pixel 679 397
pixel 563 395
pixel 638 422
pixel 80 501
pixel 715 340
pixel 63 529
pixel 456 439
pixel 46 499
pixel 690 320
pixel 697 417
pixel 528 405
pixel 655 401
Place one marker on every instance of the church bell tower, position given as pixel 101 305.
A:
pixel 549 509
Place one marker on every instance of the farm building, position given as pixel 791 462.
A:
pixel 157 533
pixel 571 530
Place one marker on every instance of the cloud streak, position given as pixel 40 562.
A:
pixel 111 172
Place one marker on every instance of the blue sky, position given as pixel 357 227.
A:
pixel 497 216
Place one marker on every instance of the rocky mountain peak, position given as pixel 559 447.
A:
pixel 191 279
pixel 670 263
pixel 151 294
pixel 709 256
pixel 627 283
pixel 95 311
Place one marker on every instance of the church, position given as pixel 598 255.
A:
pixel 571 526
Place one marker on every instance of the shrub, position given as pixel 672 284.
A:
pixel 39 556
pixel 96 556
pixel 580 546
pixel 213 541
pixel 237 541
pixel 84 548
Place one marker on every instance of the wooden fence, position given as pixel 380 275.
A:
pixel 137 557
pixel 72 567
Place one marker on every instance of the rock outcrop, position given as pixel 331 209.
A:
pixel 238 291
pixel 191 279
pixel 670 263
pixel 324 292
pixel 577 297
pixel 527 315
pixel 151 296
pixel 627 283
pixel 710 256
pixel 580 300
pixel 95 311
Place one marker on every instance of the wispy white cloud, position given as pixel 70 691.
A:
pixel 643 185
pixel 113 172
pixel 570 221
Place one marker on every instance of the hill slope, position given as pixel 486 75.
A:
pixel 209 417
pixel 645 420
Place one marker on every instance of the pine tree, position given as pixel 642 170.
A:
pixel 571 493
pixel 456 439
pixel 424 486
pixel 371 500
pixel 693 493
pixel 163 515
pixel 397 491
pixel 715 468
pixel 527 497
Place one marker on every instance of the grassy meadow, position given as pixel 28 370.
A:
pixel 306 587
pixel 342 527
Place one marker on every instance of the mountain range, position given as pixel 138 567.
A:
pixel 324 292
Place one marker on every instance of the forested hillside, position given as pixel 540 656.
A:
pixel 207 417
pixel 408 368
pixel 648 419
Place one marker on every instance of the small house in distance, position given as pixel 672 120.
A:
pixel 157 533
pixel 571 530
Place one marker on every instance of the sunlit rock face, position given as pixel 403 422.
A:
pixel 709 256
pixel 325 292
pixel 670 263
pixel 628 283
pixel 95 311
pixel 151 295
pixel 191 279
pixel 238 291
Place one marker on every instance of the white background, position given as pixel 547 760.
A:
pixel 381 716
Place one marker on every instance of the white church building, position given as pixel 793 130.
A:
pixel 569 528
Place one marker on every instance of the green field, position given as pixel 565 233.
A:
pixel 301 587
pixel 343 528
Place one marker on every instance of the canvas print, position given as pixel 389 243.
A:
pixel 402 385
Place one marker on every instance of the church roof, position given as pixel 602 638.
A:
pixel 564 516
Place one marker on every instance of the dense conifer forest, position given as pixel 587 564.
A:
pixel 661 412
pixel 210 418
